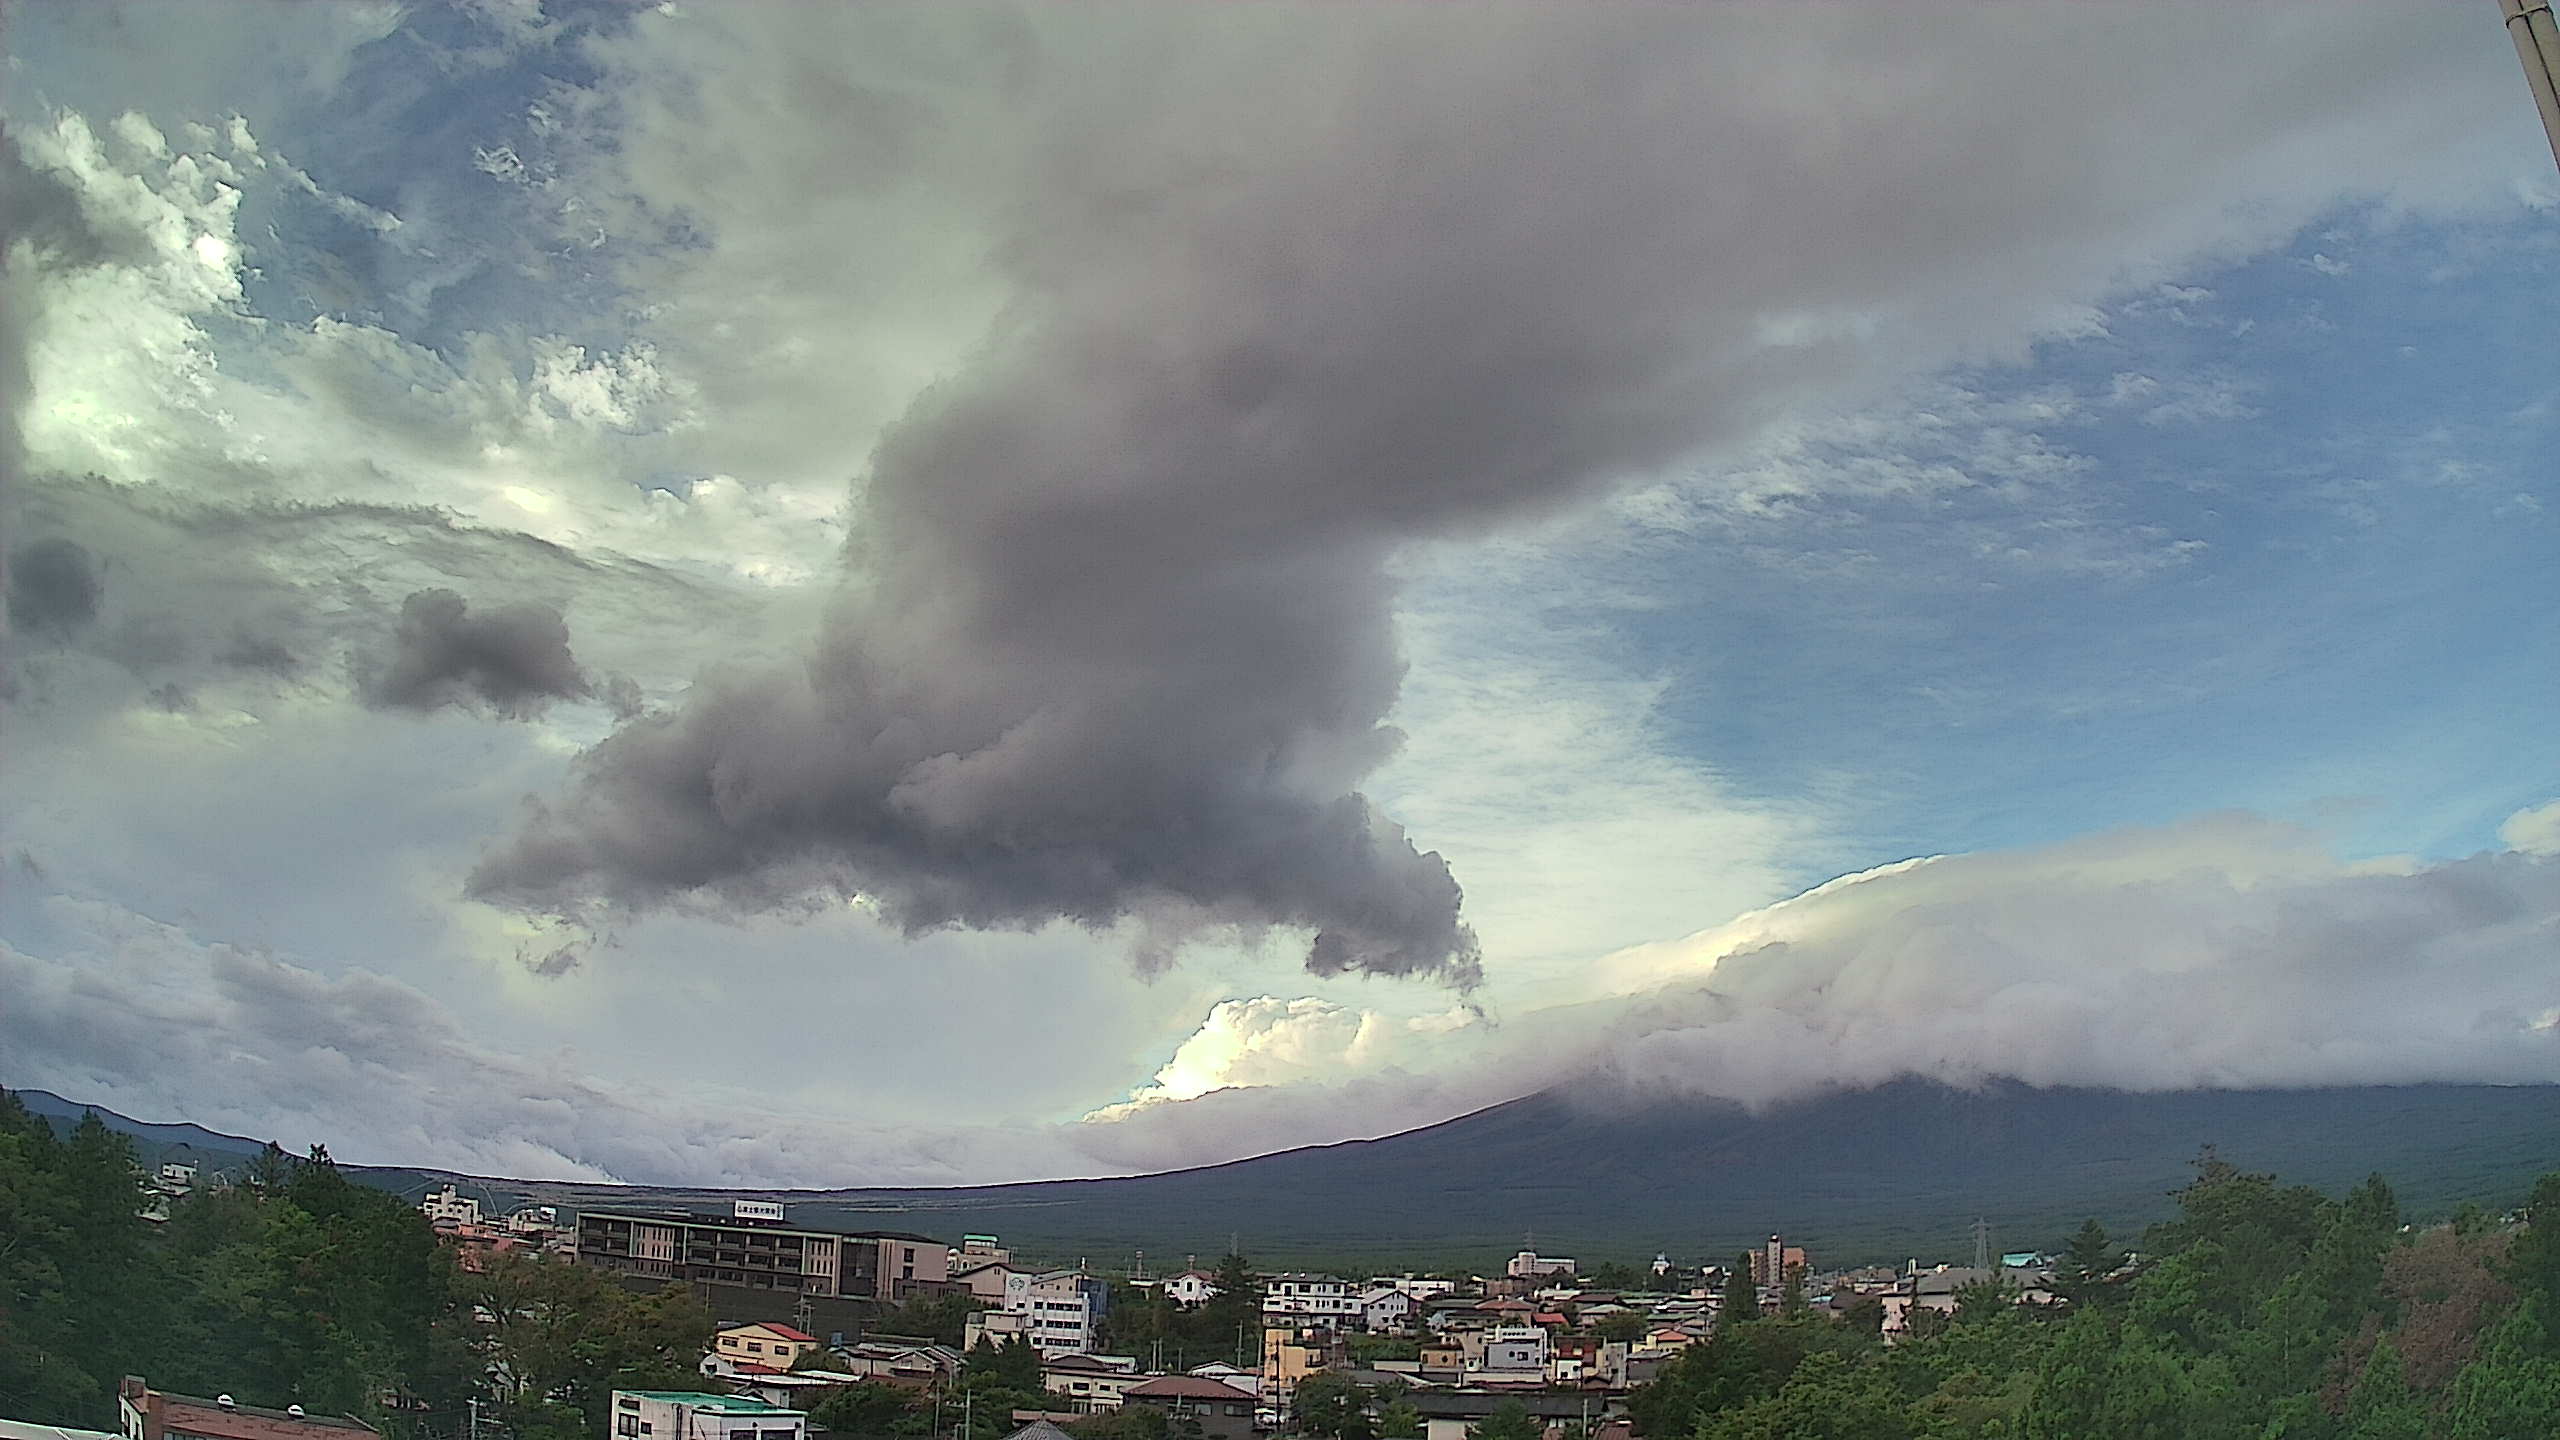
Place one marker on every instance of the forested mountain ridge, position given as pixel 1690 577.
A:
pixel 1881 1174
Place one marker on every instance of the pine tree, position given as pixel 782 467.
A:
pixel 1741 1296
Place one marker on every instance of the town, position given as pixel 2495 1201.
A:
pixel 283 1298
pixel 1546 1348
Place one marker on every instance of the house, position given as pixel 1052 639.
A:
pixel 1423 1291
pixel 1449 1414
pixel 1442 1362
pixel 474 1244
pixel 1248 1381
pixel 148 1414
pixel 791 1389
pixel 1040 1429
pixel 1191 1287
pixel 754 1245
pixel 1572 1359
pixel 915 1365
pixel 1223 1412
pixel 1385 1309
pixel 765 1345
pixel 29 1430
pixel 693 1415
pixel 1090 1384
pixel 976 1250
pixel 1936 1289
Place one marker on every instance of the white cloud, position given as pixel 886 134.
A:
pixel 2534 830
pixel 2224 952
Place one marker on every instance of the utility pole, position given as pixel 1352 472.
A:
pixel 2529 24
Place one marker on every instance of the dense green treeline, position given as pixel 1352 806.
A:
pixel 2262 1312
pixel 297 1286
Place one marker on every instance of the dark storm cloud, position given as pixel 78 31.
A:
pixel 513 659
pixel 42 230
pixel 53 587
pixel 1287 296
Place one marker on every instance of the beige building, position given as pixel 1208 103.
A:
pixel 773 1346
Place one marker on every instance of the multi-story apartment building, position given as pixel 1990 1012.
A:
pixel 1323 1297
pixel 754 1245
pixel 1058 1311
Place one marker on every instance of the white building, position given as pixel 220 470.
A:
pixel 1234 1377
pixel 1514 1352
pixel 1530 1265
pixel 1191 1287
pixel 535 1220
pixel 1384 1308
pixel 1418 1288
pixel 690 1415
pixel 1316 1296
pixel 449 1204
pixel 1058 1311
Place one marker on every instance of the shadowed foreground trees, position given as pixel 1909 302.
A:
pixel 2261 1312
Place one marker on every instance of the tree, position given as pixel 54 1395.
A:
pixel 1330 1405
pixel 1828 1397
pixel 2383 1406
pixel 1614 1275
pixel 2533 1257
pixel 1791 1301
pixel 2087 1260
pixel 871 1407
pixel 943 1319
pixel 2512 1387
pixel 1623 1329
pixel 1510 1420
pixel 559 1338
pixel 1399 1420
pixel 1984 1299
pixel 1012 1364
pixel 1741 1297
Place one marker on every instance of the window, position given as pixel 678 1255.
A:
pixel 626 1425
pixel 628 1403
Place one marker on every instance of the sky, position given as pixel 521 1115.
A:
pixel 908 595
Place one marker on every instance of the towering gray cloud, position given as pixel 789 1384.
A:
pixel 41 230
pixel 514 659
pixel 1280 298
pixel 53 586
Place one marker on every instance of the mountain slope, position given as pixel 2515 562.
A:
pixel 155 1137
pixel 1900 1170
